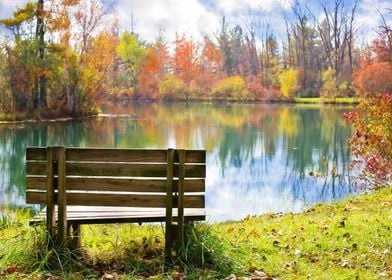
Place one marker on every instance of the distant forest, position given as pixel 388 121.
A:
pixel 63 57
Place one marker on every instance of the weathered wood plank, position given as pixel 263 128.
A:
pixel 50 199
pixel 191 156
pixel 97 215
pixel 116 184
pixel 62 199
pixel 169 203
pixel 192 170
pixel 110 199
pixel 115 169
pixel 126 169
pixel 180 206
pixel 36 153
pixel 116 155
pixel 35 197
pixel 36 167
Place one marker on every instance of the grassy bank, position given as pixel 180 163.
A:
pixel 346 240
pixel 320 100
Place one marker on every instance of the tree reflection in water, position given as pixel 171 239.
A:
pixel 259 157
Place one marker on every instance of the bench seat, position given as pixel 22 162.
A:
pixel 106 215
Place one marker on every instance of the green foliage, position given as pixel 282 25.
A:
pixel 332 88
pixel 231 88
pixel 20 16
pixel 133 54
pixel 171 88
pixel 288 83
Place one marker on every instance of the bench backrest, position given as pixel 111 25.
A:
pixel 116 177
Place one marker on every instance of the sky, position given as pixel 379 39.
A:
pixel 202 17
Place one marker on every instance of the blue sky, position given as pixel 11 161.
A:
pixel 201 17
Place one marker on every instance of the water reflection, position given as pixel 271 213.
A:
pixel 260 157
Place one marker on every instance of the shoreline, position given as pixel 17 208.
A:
pixel 309 101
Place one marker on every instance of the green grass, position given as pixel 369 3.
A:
pixel 317 100
pixel 351 239
pixel 12 117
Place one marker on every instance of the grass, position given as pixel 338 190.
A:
pixel 12 117
pixel 317 100
pixel 351 239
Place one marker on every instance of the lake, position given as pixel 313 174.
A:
pixel 260 157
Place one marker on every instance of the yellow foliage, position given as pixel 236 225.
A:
pixel 171 88
pixel 288 82
pixel 329 88
pixel 231 88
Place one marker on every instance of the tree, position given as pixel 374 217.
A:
pixel 149 74
pixel 372 141
pixel 337 32
pixel 210 64
pixel 31 47
pixel 133 54
pixel 288 83
pixel 185 60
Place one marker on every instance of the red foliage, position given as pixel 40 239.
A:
pixel 372 142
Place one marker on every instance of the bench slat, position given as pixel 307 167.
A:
pixel 36 167
pixel 97 215
pixel 35 153
pixel 126 169
pixel 113 199
pixel 116 184
pixel 117 169
pixel 116 155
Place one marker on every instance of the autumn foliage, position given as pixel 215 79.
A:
pixel 372 141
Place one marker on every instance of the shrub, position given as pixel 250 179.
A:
pixel 231 88
pixel 171 88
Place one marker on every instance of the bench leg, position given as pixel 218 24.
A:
pixel 169 241
pixel 75 237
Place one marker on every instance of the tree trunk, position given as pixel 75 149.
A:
pixel 40 33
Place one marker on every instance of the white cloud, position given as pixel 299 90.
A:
pixel 8 6
pixel 170 16
pixel 368 18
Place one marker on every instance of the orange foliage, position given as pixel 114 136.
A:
pixel 149 75
pixel 185 62
pixel 374 78
pixel 211 64
pixel 372 142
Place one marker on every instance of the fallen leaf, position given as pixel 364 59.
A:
pixel 231 277
pixel 11 269
pixel 342 224
pixel 107 276
pixel 347 235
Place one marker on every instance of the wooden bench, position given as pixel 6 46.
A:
pixel 99 186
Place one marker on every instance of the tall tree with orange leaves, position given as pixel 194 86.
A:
pixel 185 60
pixel 210 65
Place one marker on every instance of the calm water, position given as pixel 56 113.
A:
pixel 259 157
